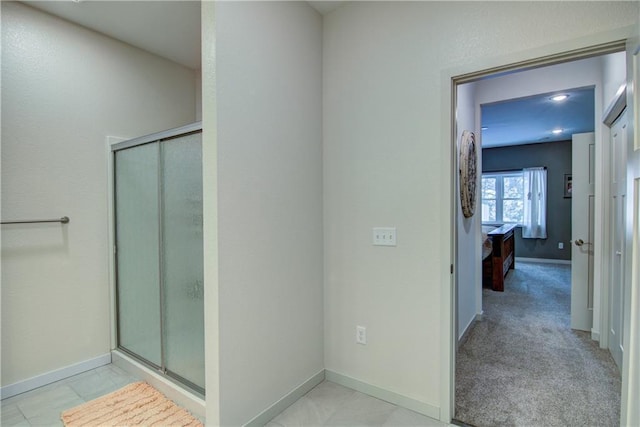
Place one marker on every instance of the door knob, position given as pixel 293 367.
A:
pixel 579 242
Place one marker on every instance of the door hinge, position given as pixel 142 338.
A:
pixel 451 268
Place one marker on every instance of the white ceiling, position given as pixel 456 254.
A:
pixel 326 6
pixel 170 29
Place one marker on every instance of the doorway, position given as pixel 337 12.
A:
pixel 473 234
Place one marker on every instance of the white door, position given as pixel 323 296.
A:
pixel 618 221
pixel 582 213
pixel 630 410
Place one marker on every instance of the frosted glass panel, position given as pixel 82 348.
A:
pixel 183 302
pixel 138 292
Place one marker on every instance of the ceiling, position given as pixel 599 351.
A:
pixel 170 29
pixel 532 119
pixel 326 6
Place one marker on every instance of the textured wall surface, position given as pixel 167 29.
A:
pixel 269 83
pixel 64 89
pixel 387 163
pixel 469 273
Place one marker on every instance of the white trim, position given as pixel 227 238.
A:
pixel 209 99
pixel 464 334
pixel 110 141
pixel 473 320
pixel 289 399
pixel 595 335
pixel 449 282
pixel 386 395
pixel 630 412
pixel 181 396
pixel 544 260
pixel 159 136
pixel 53 376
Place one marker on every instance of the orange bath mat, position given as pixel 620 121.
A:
pixel 134 405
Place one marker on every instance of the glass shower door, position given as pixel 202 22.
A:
pixel 159 252
pixel 183 302
pixel 137 255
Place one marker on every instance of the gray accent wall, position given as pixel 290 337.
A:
pixel 556 156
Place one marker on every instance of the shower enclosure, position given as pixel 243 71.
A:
pixel 159 253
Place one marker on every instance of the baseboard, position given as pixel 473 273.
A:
pixel 465 333
pixel 271 412
pixel 175 392
pixel 53 376
pixel 466 329
pixel 545 260
pixel 386 395
pixel 595 335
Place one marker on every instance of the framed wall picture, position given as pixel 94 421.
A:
pixel 568 185
pixel 468 173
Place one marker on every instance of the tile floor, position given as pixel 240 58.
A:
pixel 328 404
pixel 42 406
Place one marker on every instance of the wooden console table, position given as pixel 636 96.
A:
pixel 502 259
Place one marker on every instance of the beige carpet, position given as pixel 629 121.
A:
pixel 523 365
pixel 134 405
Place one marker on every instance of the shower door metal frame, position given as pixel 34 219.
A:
pixel 158 137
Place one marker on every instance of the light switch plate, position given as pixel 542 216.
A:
pixel 384 236
pixel 361 335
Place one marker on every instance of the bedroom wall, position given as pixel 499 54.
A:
pixel 64 89
pixel 469 269
pixel 556 156
pixel 269 101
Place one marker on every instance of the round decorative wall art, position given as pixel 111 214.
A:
pixel 468 173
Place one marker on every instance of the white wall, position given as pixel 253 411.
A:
pixel 387 162
pixel 65 88
pixel 210 212
pixel 614 75
pixel 269 100
pixel 198 95
pixel 469 268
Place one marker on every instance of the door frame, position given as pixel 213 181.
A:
pixel 616 107
pixel 582 48
pixel 113 145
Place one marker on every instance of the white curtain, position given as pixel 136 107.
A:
pixel 535 203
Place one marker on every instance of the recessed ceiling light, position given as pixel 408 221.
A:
pixel 557 131
pixel 484 128
pixel 559 98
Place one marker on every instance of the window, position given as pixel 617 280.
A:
pixel 503 198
